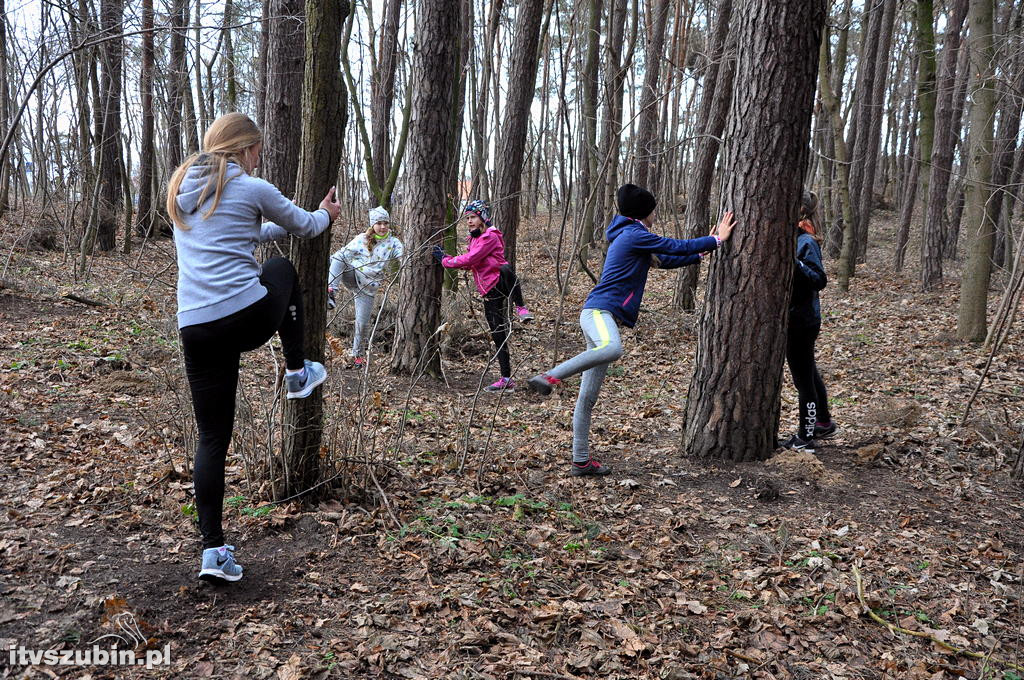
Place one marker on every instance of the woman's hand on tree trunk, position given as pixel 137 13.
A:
pixel 331 205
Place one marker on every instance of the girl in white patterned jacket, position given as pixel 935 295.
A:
pixel 362 266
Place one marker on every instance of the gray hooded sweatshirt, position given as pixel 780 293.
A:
pixel 217 272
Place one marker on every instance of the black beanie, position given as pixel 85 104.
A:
pixel 634 201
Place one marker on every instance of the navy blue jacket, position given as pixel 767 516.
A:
pixel 808 278
pixel 630 246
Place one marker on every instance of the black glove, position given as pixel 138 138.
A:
pixel 438 253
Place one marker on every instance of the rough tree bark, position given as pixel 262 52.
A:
pixel 111 193
pixel 616 66
pixel 1011 60
pixel 177 83
pixel 926 96
pixel 971 322
pixel 732 412
pixel 871 131
pixel 711 118
pixel 147 153
pixel 282 109
pixel 323 133
pixel 831 104
pixel 382 92
pixel 648 151
pixel 481 186
pixel 942 151
pixel 522 79
pixel 435 55
pixel 231 80
pixel 834 240
pixel 5 113
pixel 961 145
pixel 586 196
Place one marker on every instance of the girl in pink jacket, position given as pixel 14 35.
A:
pixel 496 282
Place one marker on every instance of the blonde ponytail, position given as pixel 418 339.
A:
pixel 225 141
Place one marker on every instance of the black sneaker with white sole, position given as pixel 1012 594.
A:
pixel 796 443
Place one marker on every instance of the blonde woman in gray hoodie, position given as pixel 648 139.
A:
pixel 228 303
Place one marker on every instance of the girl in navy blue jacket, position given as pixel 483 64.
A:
pixel 632 250
pixel 804 326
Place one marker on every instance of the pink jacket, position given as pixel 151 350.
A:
pixel 486 255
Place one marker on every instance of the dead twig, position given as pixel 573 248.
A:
pixel 84 301
pixel 916 633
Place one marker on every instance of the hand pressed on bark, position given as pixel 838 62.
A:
pixel 723 229
pixel 331 204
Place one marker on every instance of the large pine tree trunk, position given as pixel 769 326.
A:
pixel 971 322
pixel 711 118
pixel 522 78
pixel 961 144
pixel 111 194
pixel 382 92
pixel 481 185
pixel 5 114
pixel 230 78
pixel 942 151
pixel 147 153
pixel 323 133
pixel 282 109
pixel 1009 116
pixel 261 65
pixel 831 104
pixel 616 65
pixel 648 151
pixel 177 83
pixel 435 59
pixel 926 96
pixel 869 136
pixel 834 240
pixel 586 195
pixel 732 412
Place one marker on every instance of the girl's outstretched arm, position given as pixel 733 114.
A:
pixel 479 249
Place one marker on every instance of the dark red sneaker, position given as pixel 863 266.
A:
pixel 543 383
pixel 592 468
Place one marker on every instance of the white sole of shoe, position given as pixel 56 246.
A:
pixel 308 389
pixel 217 574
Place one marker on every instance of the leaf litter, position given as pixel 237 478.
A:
pixel 671 568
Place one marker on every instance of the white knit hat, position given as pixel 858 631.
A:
pixel 379 214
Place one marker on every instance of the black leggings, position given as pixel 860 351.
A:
pixel 808 382
pixel 496 302
pixel 212 351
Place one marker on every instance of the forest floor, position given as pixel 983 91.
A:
pixel 477 556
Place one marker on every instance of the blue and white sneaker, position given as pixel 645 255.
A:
pixel 301 385
pixel 219 565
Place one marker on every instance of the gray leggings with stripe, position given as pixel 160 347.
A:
pixel 363 296
pixel 603 347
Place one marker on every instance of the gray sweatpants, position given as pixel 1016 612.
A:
pixel 363 299
pixel 603 347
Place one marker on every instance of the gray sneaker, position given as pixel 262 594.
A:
pixel 299 386
pixel 219 565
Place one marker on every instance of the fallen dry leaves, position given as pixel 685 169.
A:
pixel 500 566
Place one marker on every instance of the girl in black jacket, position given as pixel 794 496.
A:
pixel 804 326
